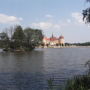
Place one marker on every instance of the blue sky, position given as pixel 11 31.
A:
pixel 52 16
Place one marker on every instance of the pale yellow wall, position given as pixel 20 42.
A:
pixel 60 41
pixel 46 41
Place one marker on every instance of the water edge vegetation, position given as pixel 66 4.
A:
pixel 18 39
pixel 79 82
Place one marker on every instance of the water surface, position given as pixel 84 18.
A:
pixel 30 71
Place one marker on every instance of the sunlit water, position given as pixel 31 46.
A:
pixel 30 71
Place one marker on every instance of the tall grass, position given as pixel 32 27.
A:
pixel 80 82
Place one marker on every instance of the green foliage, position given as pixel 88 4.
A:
pixel 86 14
pixel 50 83
pixel 88 65
pixel 18 34
pixel 82 44
pixel 88 0
pixel 4 40
pixel 18 37
pixel 76 83
pixel 79 83
pixel 33 36
pixel 26 39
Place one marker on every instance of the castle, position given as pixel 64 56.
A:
pixel 54 41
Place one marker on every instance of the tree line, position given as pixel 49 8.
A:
pixel 17 38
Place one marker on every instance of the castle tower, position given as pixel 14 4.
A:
pixel 52 36
pixel 53 40
pixel 61 40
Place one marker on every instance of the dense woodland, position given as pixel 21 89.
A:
pixel 17 38
pixel 78 44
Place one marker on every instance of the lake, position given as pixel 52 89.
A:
pixel 30 71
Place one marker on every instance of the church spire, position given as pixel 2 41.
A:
pixel 52 35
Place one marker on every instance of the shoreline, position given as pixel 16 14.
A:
pixel 65 47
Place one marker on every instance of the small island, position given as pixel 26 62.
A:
pixel 19 40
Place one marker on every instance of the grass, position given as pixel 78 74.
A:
pixel 79 83
pixel 76 83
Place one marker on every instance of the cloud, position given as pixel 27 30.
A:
pixel 68 20
pixel 46 25
pixel 9 19
pixel 78 17
pixel 49 16
pixel 57 26
pixel 42 25
pixel 75 20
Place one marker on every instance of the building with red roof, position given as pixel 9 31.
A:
pixel 52 41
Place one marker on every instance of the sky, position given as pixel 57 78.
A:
pixel 60 17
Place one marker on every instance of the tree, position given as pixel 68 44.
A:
pixel 37 36
pixel 11 31
pixel 28 37
pixel 33 37
pixel 4 40
pixel 21 39
pixel 86 14
pixel 18 37
pixel 88 0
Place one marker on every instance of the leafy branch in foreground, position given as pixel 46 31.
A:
pixel 86 14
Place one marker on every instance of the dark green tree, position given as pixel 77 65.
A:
pixel 21 39
pixel 88 0
pixel 4 40
pixel 28 37
pixel 18 37
pixel 86 14
pixel 37 36
pixel 33 37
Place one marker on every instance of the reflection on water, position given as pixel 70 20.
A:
pixel 30 71
pixel 21 62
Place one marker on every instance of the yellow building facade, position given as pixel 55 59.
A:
pixel 52 41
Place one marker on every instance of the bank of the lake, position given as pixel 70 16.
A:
pixel 64 47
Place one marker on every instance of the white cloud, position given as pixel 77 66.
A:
pixel 42 25
pixel 69 27
pixel 46 25
pixel 9 19
pixel 57 26
pixel 68 21
pixel 49 16
pixel 78 17
pixel 75 21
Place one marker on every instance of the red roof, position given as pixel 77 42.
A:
pixel 53 39
pixel 61 37
pixel 46 38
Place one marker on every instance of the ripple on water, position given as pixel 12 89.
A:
pixel 30 71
